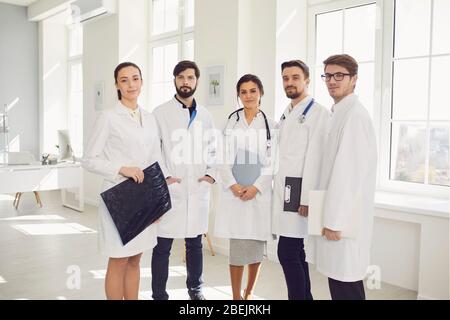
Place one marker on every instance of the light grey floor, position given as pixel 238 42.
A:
pixel 51 253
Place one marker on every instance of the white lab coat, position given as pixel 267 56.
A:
pixel 349 176
pixel 301 146
pixel 237 219
pixel 189 154
pixel 117 141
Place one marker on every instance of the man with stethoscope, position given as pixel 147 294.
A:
pixel 302 131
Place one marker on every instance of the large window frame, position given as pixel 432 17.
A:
pixel 385 182
pixel 179 36
pixel 382 100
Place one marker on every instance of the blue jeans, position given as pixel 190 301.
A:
pixel 291 254
pixel 160 267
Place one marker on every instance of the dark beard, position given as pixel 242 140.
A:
pixel 186 94
pixel 294 95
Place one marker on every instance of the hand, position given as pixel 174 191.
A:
pixel 237 190
pixel 207 179
pixel 303 211
pixel 248 193
pixel 172 180
pixel 331 235
pixel 134 173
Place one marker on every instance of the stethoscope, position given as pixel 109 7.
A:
pixel 302 118
pixel 268 134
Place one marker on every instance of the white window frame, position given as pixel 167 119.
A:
pixel 382 89
pixel 179 36
pixel 316 9
pixel 385 183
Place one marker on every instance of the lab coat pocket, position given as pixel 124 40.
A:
pixel 297 147
pixel 204 189
pixel 175 191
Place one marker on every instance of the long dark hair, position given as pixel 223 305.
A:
pixel 120 67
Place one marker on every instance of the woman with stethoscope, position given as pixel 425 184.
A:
pixel 246 194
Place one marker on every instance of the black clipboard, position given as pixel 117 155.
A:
pixel 292 194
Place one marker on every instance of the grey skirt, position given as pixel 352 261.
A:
pixel 243 252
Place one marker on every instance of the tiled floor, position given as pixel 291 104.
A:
pixel 51 253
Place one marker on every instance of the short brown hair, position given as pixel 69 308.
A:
pixel 343 60
pixel 296 63
pixel 184 65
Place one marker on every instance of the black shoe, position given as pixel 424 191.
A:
pixel 196 296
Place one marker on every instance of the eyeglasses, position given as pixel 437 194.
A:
pixel 338 76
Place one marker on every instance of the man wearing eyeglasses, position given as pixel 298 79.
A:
pixel 348 175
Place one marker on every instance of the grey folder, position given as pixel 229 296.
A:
pixel 247 167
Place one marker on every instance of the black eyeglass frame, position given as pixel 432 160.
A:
pixel 327 76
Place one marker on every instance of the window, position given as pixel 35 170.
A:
pixel 420 121
pixel 401 82
pixel 75 88
pixel 354 34
pixel 171 40
pixel 416 155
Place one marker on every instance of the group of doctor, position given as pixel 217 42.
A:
pixel 333 151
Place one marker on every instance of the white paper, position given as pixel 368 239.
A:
pixel 315 216
pixel 315 212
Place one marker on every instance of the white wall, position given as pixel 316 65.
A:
pixel 216 32
pixel 100 58
pixel 413 251
pixel 19 87
pixel 257 46
pixel 291 43
pixel 53 81
pixel 133 38
pixel 43 9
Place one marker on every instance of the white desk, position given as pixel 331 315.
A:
pixel 30 178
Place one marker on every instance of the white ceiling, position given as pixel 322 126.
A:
pixel 19 2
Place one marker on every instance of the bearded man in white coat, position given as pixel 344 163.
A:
pixel 302 132
pixel 349 177
pixel 188 149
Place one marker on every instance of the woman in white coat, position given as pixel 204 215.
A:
pixel 124 141
pixel 244 216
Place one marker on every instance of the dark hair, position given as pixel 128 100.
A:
pixel 296 63
pixel 343 60
pixel 184 65
pixel 120 67
pixel 250 78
